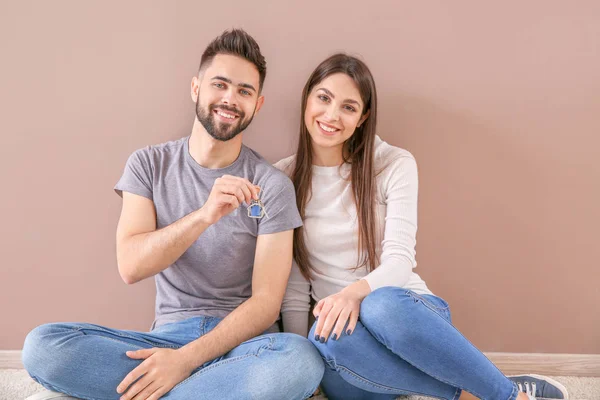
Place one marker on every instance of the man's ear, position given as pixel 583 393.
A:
pixel 363 118
pixel 195 88
pixel 259 103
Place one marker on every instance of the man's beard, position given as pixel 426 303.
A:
pixel 218 130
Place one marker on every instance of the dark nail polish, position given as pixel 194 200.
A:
pixel 317 338
pixel 334 337
pixel 348 332
pixel 322 339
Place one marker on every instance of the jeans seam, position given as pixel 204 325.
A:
pixel 427 302
pixel 309 393
pixel 263 348
pixel 340 368
pixel 149 342
pixel 457 394
pixel 158 345
pixel 161 346
pixel 261 337
pixel 514 394
pixel 202 327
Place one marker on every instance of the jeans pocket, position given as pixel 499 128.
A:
pixel 435 303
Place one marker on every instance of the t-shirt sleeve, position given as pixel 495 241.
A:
pixel 137 176
pixel 279 200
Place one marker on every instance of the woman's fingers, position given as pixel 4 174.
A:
pixel 332 316
pixel 353 322
pixel 341 323
pixel 317 309
pixel 325 309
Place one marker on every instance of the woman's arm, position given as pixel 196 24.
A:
pixel 296 303
pixel 401 186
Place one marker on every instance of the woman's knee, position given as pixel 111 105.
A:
pixel 378 304
pixel 400 314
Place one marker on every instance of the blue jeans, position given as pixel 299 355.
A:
pixel 405 343
pixel 88 361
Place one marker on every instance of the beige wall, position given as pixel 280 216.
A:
pixel 500 103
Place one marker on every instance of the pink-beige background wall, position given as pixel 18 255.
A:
pixel 498 101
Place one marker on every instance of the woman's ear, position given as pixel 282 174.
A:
pixel 363 118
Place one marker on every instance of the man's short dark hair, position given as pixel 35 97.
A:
pixel 236 42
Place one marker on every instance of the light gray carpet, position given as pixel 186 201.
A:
pixel 15 384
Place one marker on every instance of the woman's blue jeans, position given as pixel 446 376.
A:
pixel 88 362
pixel 405 343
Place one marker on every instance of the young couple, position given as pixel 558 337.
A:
pixel 232 241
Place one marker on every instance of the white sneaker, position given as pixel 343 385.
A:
pixel 49 394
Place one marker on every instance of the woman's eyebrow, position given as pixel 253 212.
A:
pixel 328 92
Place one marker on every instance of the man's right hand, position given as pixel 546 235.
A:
pixel 227 194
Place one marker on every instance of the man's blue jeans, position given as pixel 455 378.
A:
pixel 405 343
pixel 88 362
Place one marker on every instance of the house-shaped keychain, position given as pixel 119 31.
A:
pixel 256 209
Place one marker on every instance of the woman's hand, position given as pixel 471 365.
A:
pixel 333 312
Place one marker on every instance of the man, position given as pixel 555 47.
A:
pixel 213 222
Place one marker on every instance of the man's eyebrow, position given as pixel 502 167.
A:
pixel 247 86
pixel 244 85
pixel 221 78
pixel 333 97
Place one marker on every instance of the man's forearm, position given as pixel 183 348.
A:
pixel 250 319
pixel 146 254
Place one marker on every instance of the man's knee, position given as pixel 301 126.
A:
pixel 34 345
pixel 301 362
pixel 40 355
pixel 303 354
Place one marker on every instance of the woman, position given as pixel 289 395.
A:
pixel 378 327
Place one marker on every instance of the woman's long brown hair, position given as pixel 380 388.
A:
pixel 357 151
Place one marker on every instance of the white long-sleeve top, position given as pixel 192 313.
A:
pixel 331 233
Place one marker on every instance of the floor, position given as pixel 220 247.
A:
pixel 15 384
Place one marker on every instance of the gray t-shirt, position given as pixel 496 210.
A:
pixel 214 275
